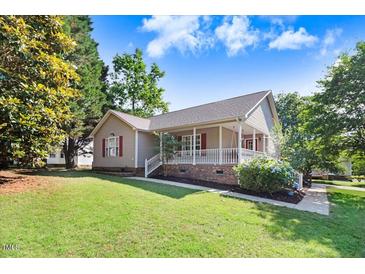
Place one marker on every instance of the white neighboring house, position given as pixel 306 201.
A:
pixel 57 158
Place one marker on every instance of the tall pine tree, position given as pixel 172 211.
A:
pixel 91 69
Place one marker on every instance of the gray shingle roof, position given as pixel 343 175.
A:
pixel 137 122
pixel 207 113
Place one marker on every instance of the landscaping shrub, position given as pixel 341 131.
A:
pixel 264 174
pixel 359 178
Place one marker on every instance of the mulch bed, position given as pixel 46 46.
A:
pixel 14 182
pixel 282 196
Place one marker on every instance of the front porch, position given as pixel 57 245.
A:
pixel 220 144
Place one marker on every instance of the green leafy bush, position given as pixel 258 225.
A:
pixel 359 178
pixel 264 174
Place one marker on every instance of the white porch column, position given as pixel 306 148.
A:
pixel 254 141
pixel 136 148
pixel 194 145
pixel 264 143
pixel 160 146
pixel 239 142
pixel 300 180
pixel 220 145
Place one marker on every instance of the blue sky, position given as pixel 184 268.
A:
pixel 209 58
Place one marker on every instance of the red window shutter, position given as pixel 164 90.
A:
pixel 204 141
pixel 120 146
pixel 103 147
pixel 179 138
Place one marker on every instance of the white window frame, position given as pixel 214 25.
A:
pixel 250 141
pixel 112 151
pixel 189 138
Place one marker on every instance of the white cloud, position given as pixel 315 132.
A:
pixel 180 32
pixel 293 40
pixel 279 19
pixel 237 34
pixel 329 39
pixel 337 52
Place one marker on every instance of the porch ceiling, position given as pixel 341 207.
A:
pixel 245 128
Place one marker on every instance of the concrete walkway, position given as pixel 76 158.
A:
pixel 315 199
pixel 344 187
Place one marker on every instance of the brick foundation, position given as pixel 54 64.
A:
pixel 212 173
pixel 136 171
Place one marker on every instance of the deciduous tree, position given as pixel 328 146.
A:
pixel 339 109
pixel 134 89
pixel 297 143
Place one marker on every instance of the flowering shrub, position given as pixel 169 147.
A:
pixel 263 174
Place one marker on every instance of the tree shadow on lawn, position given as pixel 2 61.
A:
pixel 166 190
pixel 339 234
pixel 342 231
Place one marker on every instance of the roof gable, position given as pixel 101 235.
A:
pixel 133 121
pixel 225 110
pixel 207 113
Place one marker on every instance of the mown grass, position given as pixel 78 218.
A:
pixel 339 183
pixel 90 215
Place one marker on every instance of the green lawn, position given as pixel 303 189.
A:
pixel 339 183
pixel 89 215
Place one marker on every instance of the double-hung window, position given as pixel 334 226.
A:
pixel 112 146
pixel 249 144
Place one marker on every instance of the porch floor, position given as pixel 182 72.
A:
pixel 315 199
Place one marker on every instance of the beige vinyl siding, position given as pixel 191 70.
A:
pixel 116 126
pixel 228 139
pixel 262 118
pixel 148 146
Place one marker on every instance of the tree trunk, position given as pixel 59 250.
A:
pixel 4 159
pixel 133 103
pixel 307 175
pixel 164 170
pixel 69 152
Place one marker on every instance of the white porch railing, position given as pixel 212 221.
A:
pixel 205 156
pixel 247 153
pixel 213 156
pixel 151 164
